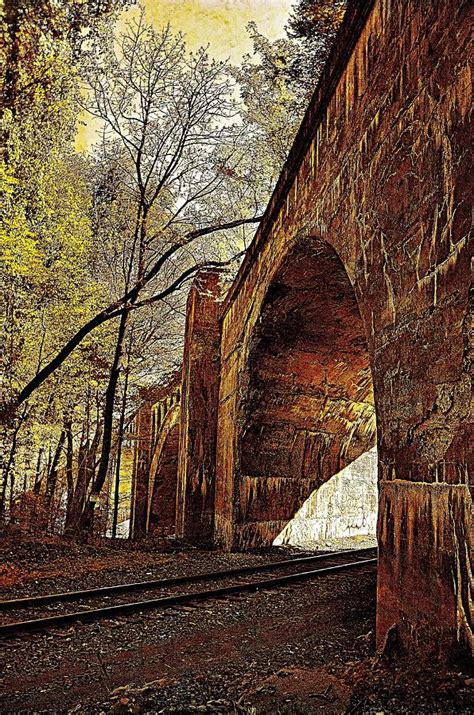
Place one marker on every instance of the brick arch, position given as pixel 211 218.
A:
pixel 380 169
pixel 163 475
pixel 307 407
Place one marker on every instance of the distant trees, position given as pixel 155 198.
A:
pixel 313 25
pixel 47 278
pixel 276 81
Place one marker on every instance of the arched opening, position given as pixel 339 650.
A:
pixel 342 513
pixel 309 409
pixel 163 479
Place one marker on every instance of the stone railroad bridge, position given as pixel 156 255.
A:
pixel 347 325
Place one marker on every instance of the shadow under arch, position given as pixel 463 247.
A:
pixel 163 479
pixel 308 407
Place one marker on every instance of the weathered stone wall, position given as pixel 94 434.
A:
pixel 200 389
pixel 164 476
pixel 152 425
pixel 141 470
pixel 380 172
pixel 341 509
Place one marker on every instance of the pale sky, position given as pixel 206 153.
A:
pixel 219 23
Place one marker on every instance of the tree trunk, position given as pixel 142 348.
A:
pixel 69 464
pixel 26 467
pixel 77 498
pixel 39 464
pixel 37 488
pixel 52 477
pixel 119 454
pixel 8 470
pixel 12 489
pixel 87 518
pixel 85 474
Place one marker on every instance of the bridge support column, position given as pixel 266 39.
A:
pixel 200 392
pixel 424 576
pixel 163 477
pixel 141 469
pixel 425 528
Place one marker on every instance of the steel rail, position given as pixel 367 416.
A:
pixel 170 601
pixel 28 601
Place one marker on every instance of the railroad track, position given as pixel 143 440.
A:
pixel 331 564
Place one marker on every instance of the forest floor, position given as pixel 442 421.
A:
pixel 307 648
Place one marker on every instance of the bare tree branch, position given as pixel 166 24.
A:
pixel 127 301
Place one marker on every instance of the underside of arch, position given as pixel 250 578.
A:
pixel 308 410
